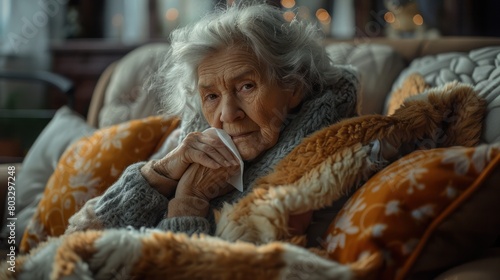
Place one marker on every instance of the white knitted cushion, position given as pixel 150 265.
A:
pixel 480 68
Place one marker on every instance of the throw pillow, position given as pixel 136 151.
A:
pixel 478 68
pixel 40 162
pixel 378 65
pixel 88 167
pixel 428 202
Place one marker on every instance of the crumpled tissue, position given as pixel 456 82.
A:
pixel 237 179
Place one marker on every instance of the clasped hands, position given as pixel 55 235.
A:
pixel 201 164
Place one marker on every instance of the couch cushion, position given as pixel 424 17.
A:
pixel 127 96
pixel 40 162
pixel 424 213
pixel 378 66
pixel 478 67
pixel 88 167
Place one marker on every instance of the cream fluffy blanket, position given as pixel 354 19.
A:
pixel 252 240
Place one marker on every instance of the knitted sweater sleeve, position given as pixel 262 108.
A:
pixel 131 201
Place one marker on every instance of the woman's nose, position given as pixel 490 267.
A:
pixel 231 111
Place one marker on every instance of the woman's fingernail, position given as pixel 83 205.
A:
pixel 227 163
pixel 234 162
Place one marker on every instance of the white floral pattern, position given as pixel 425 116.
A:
pixel 392 207
pixel 88 167
pixel 423 212
pixel 458 158
pixel 114 139
pixel 390 213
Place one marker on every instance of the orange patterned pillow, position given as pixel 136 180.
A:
pixel 88 167
pixel 399 210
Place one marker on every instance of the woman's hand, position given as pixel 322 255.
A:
pixel 197 148
pixel 205 183
pixel 197 186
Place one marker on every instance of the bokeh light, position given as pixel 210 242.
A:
pixel 289 15
pixel 172 14
pixel 322 15
pixel 288 3
pixel 389 17
pixel 418 19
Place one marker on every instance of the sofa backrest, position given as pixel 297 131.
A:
pixel 120 96
pixel 410 49
pixel 121 92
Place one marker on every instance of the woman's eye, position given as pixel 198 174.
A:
pixel 211 96
pixel 247 87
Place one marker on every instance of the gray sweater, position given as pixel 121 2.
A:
pixel 131 201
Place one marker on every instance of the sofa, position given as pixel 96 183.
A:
pixel 390 72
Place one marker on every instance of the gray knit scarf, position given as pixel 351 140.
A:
pixel 317 111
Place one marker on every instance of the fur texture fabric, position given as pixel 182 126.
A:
pixel 332 161
pixel 413 85
pixel 252 240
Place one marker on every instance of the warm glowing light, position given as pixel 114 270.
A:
pixel 171 14
pixel 418 19
pixel 288 3
pixel 322 15
pixel 117 20
pixel 289 15
pixel 389 17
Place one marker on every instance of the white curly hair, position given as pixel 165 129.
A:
pixel 290 52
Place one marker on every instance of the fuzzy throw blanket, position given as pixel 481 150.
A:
pixel 252 240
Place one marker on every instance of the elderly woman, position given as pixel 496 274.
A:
pixel 266 82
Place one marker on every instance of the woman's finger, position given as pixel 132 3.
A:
pixel 219 153
pixel 216 142
pixel 202 158
pixel 204 182
pixel 206 150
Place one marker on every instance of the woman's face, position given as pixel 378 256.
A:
pixel 238 97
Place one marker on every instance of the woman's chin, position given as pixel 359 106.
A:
pixel 248 156
pixel 248 153
pixel 251 149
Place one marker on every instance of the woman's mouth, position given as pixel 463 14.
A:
pixel 240 136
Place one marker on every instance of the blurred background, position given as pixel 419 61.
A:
pixel 79 38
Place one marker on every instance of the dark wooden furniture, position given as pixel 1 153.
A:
pixel 83 61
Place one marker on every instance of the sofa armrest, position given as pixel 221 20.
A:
pixel 4 186
pixel 97 101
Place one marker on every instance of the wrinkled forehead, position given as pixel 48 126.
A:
pixel 229 62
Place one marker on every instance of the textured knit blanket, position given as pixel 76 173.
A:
pixel 252 240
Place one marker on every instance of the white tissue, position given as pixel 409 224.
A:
pixel 237 179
